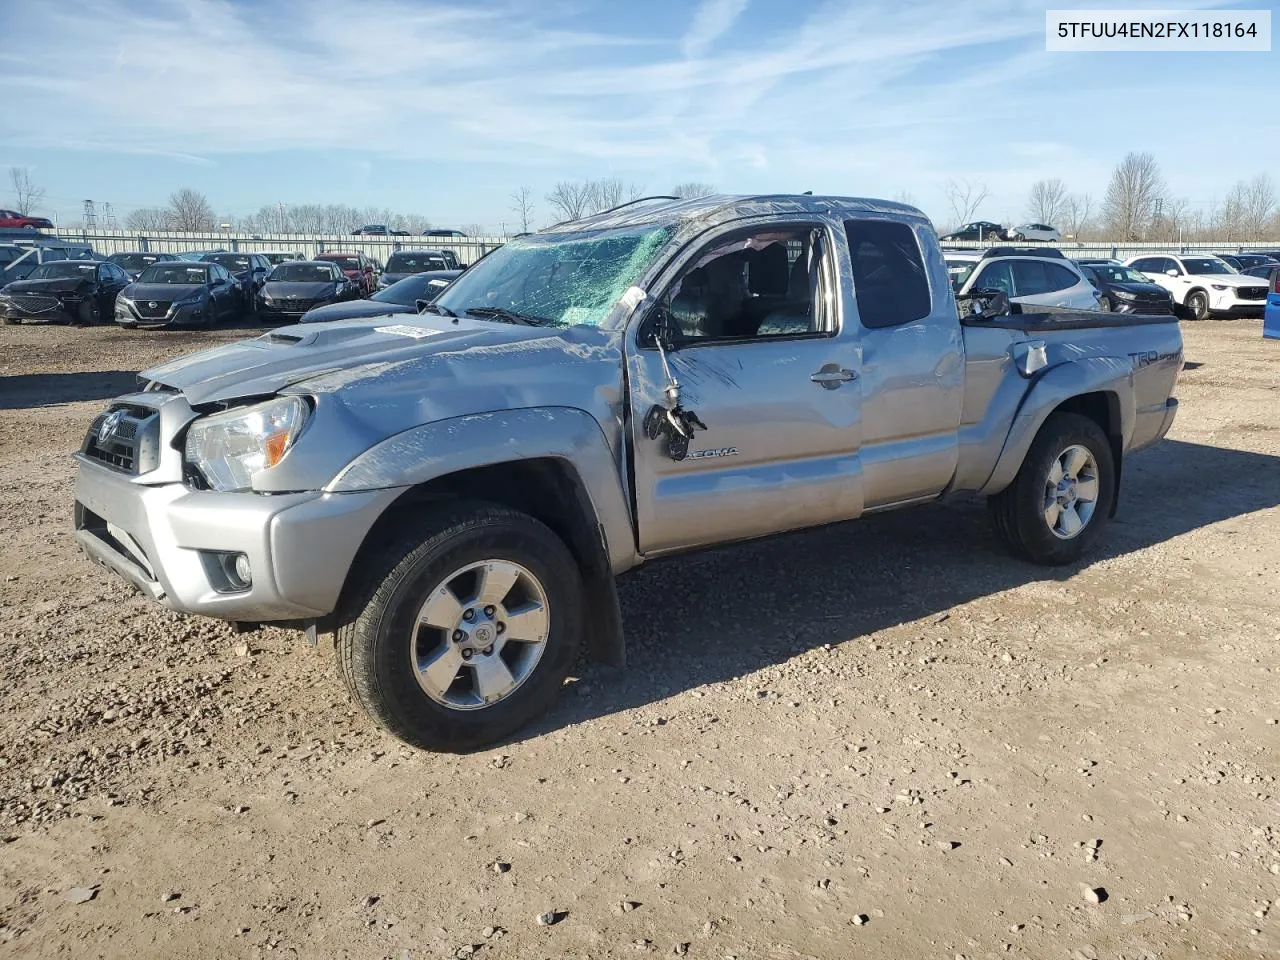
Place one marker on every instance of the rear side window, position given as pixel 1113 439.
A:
pixel 889 279
pixel 1033 277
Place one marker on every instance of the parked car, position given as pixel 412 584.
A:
pixel 979 230
pixel 17 262
pixel 199 254
pixel 66 291
pixel 454 493
pixel 135 262
pixel 180 293
pixel 358 268
pixel 14 219
pixel 1243 261
pixel 1125 290
pixel 1039 277
pixel 405 263
pixel 1091 261
pixel 371 230
pixel 443 233
pixel 401 233
pixel 277 257
pixel 250 271
pixel 402 296
pixel 1034 231
pixel 294 288
pixel 1271 315
pixel 1204 286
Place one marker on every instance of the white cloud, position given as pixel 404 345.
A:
pixel 713 19
pixel 869 98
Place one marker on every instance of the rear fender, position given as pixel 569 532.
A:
pixel 1057 385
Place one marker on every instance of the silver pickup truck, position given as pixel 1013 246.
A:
pixel 452 494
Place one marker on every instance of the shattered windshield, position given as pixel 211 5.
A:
pixel 557 279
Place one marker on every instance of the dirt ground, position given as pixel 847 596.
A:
pixel 883 739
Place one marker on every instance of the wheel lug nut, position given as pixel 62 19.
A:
pixel 468 615
pixel 466 653
pixel 458 636
pixel 502 627
pixel 488 611
pixel 488 651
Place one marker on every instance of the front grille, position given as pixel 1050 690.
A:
pixel 33 303
pixel 292 306
pixel 131 446
pixel 1251 293
pixel 151 309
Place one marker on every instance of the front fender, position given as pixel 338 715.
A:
pixel 488 439
pixel 1055 386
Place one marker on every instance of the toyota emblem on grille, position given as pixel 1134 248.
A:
pixel 108 427
pixel 151 304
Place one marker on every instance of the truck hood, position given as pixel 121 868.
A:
pixel 383 360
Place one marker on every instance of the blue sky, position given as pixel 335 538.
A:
pixel 446 108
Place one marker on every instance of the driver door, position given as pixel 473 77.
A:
pixel 772 372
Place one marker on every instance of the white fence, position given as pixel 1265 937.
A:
pixel 467 249
pixel 1123 251
pixel 470 249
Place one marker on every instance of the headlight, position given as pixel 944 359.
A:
pixel 1219 286
pixel 189 301
pixel 1126 295
pixel 229 448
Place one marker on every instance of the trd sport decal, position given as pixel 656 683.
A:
pixel 719 452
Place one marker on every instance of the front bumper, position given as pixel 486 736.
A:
pixel 1227 304
pixel 167 539
pixel 1142 308
pixel 62 310
pixel 287 312
pixel 175 316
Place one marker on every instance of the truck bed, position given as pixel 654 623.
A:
pixel 1067 320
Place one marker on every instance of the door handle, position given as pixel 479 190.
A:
pixel 833 378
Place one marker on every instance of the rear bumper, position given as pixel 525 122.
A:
pixel 168 541
pixel 1151 424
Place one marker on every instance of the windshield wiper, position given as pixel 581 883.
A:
pixel 436 308
pixel 509 316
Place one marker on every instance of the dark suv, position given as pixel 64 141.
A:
pixel 1125 290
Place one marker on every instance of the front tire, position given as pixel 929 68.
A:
pixel 1198 305
pixel 88 314
pixel 463 628
pixel 1104 304
pixel 1062 495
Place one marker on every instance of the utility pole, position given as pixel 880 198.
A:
pixel 90 216
pixel 279 216
pixel 108 216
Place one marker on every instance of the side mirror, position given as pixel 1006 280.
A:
pixel 985 304
pixel 1171 272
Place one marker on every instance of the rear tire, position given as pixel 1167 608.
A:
pixel 423 679
pixel 1054 521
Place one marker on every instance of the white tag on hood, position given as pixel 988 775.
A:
pixel 404 330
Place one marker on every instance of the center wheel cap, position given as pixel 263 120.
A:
pixel 483 634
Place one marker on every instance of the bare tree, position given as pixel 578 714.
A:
pixel 692 189
pixel 904 196
pixel 610 191
pixel 189 210
pixel 1047 201
pixel 522 207
pixel 1133 197
pixel 147 218
pixel 26 195
pixel 1076 209
pixel 1259 203
pixel 572 199
pixel 965 199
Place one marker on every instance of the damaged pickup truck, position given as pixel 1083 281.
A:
pixel 452 494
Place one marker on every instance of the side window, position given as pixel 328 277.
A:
pixel 1168 263
pixel 752 286
pixel 1059 277
pixel 53 255
pixel 1029 278
pixel 889 280
pixel 996 275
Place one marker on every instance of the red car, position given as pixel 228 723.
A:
pixel 358 268
pixel 12 218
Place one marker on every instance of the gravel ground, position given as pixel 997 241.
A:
pixel 883 739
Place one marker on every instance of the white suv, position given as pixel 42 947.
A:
pixel 1035 231
pixel 1043 279
pixel 1204 285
